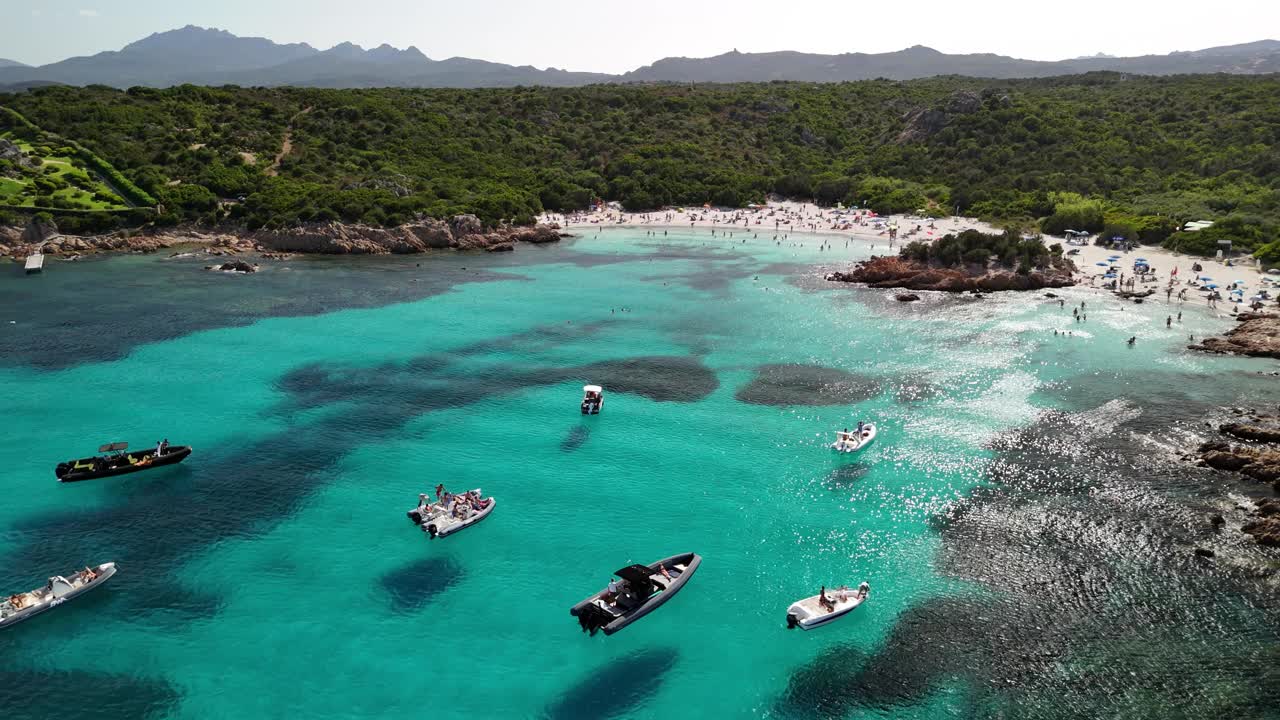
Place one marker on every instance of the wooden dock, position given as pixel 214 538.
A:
pixel 35 263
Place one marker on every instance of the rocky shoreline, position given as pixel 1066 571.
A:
pixel 899 272
pixel 1250 447
pixel 1257 335
pixel 462 232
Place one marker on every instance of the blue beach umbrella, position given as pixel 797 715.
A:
pixel 1140 259
pixel 1205 277
pixel 1211 287
pixel 1101 264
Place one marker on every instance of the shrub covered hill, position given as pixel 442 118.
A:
pixel 1128 155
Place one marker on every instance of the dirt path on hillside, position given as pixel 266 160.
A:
pixel 286 147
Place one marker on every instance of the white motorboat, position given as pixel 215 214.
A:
pixel 592 399
pixel 853 441
pixel 461 511
pixel 810 612
pixel 58 590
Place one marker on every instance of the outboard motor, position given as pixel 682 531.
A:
pixel 431 530
pixel 792 622
pixel 62 469
pixel 415 515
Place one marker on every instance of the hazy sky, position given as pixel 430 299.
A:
pixel 610 36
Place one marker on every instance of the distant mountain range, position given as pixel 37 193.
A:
pixel 215 57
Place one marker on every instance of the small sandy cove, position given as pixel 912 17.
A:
pixel 787 217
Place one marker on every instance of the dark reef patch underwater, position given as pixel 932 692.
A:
pixel 616 688
pixel 782 385
pixel 412 587
pixel 1089 600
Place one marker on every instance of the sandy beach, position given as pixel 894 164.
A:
pixel 783 218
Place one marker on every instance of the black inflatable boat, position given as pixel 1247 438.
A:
pixel 119 462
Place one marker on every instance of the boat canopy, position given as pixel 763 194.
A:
pixel 114 447
pixel 638 574
pixel 592 389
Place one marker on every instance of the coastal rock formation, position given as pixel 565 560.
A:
pixel 463 232
pixel 1257 335
pixel 906 297
pixel 38 231
pixel 237 266
pixel 1265 527
pixel 1258 458
pixel 899 272
pixel 466 225
pixel 435 234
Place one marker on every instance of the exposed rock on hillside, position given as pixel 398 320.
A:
pixel 923 123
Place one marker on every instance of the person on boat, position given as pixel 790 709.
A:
pixel 663 569
pixel 88 575
pixel 164 447
pixel 824 601
pixel 17 601
pixel 422 500
pixel 861 426
pixel 842 593
pixel 614 591
pixel 864 589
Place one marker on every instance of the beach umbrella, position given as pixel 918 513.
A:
pixel 1203 277
pixel 1100 264
pixel 1140 259
pixel 1211 287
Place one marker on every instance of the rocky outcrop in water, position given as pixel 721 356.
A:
pixel 1256 457
pixel 1257 335
pixel 236 266
pixel 899 272
pixel 1265 527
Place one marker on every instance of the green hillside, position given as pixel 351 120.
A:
pixel 1132 155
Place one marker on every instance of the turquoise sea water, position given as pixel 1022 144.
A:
pixel 1022 518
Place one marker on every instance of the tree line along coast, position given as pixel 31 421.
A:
pixel 1119 156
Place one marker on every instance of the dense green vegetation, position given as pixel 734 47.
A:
pixel 976 248
pixel 1131 156
pixel 50 176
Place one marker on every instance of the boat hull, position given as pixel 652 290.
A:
pixel 691 561
pixel 105 572
pixel 868 436
pixel 807 614
pixel 445 526
pixel 176 454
